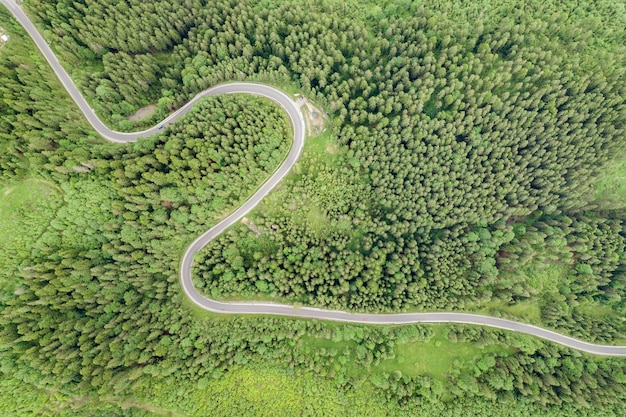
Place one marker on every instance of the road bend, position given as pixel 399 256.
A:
pixel 297 121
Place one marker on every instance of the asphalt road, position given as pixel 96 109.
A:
pixel 298 141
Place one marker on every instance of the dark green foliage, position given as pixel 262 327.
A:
pixel 136 227
pixel 40 128
pixel 448 128
pixel 128 26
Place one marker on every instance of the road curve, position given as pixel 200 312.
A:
pixel 271 308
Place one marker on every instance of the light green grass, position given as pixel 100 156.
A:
pixel 316 219
pixel 435 358
pixel 596 310
pixel 257 390
pixel 526 311
pixel 26 208
pixel 323 146
pixel 546 276
pixel 611 186
pixel 317 150
pixel 289 87
pixel 323 343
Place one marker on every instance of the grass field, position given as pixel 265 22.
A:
pixel 435 358
pixel 611 187
pixel 26 208
pixel 526 311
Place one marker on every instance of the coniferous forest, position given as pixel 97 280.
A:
pixel 472 160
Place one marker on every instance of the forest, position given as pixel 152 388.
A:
pixel 462 168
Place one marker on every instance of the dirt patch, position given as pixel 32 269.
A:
pixel 314 118
pixel 332 149
pixel 251 225
pixel 143 112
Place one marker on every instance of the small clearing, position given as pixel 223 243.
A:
pixel 314 118
pixel 143 113
pixel 611 186
pixel 26 209
pixel 251 225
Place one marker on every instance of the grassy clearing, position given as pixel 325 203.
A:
pixel 595 309
pixel 435 358
pixel 317 150
pixel 321 343
pixel 324 146
pixel 26 208
pixel 526 311
pixel 544 277
pixel 611 187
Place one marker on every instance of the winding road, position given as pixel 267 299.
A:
pixel 297 121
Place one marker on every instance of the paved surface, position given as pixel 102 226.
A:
pixel 270 308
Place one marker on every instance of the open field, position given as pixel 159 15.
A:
pixel 26 208
pixel 611 187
